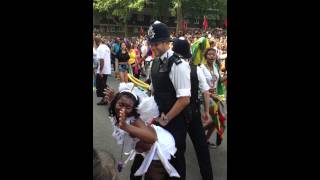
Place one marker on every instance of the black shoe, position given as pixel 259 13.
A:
pixel 102 102
pixel 212 145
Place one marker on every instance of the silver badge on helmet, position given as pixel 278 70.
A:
pixel 151 32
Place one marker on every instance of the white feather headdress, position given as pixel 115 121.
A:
pixel 148 108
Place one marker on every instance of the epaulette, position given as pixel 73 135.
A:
pixel 176 59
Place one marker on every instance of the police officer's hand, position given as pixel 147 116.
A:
pixel 163 120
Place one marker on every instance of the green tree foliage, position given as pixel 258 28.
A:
pixel 119 8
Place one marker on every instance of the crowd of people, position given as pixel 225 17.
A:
pixel 179 85
pixel 136 53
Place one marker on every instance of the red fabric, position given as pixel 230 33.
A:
pixel 221 119
pixel 205 23
pixel 184 25
pixel 225 23
pixel 141 31
pixel 137 61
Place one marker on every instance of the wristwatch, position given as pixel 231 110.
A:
pixel 165 118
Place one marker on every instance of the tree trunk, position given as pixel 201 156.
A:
pixel 218 21
pixel 125 28
pixel 179 17
pixel 114 19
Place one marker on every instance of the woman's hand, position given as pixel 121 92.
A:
pixel 109 94
pixel 224 78
pixel 212 91
pixel 122 119
pixel 215 97
pixel 206 116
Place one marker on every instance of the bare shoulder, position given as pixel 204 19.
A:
pixel 141 124
pixel 138 123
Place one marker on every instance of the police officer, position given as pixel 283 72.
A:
pixel 170 84
pixel 194 128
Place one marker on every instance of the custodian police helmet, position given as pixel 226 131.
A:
pixel 157 32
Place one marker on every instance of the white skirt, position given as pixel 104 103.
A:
pixel 161 150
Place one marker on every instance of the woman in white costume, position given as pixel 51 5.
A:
pixel 134 131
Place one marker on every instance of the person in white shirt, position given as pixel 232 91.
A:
pixel 95 62
pixel 170 84
pixel 195 129
pixel 133 129
pixel 212 73
pixel 144 48
pixel 145 60
pixel 103 70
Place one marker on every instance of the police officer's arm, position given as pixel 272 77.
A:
pixel 180 78
pixel 180 104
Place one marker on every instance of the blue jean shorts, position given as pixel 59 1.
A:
pixel 122 67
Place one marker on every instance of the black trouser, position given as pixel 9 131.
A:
pixel 178 129
pixel 138 159
pixel 101 84
pixel 155 170
pixel 198 138
pixel 113 62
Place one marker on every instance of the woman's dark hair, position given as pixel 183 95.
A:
pixel 139 46
pixel 211 42
pixel 128 44
pixel 112 108
pixel 124 43
pixel 207 50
